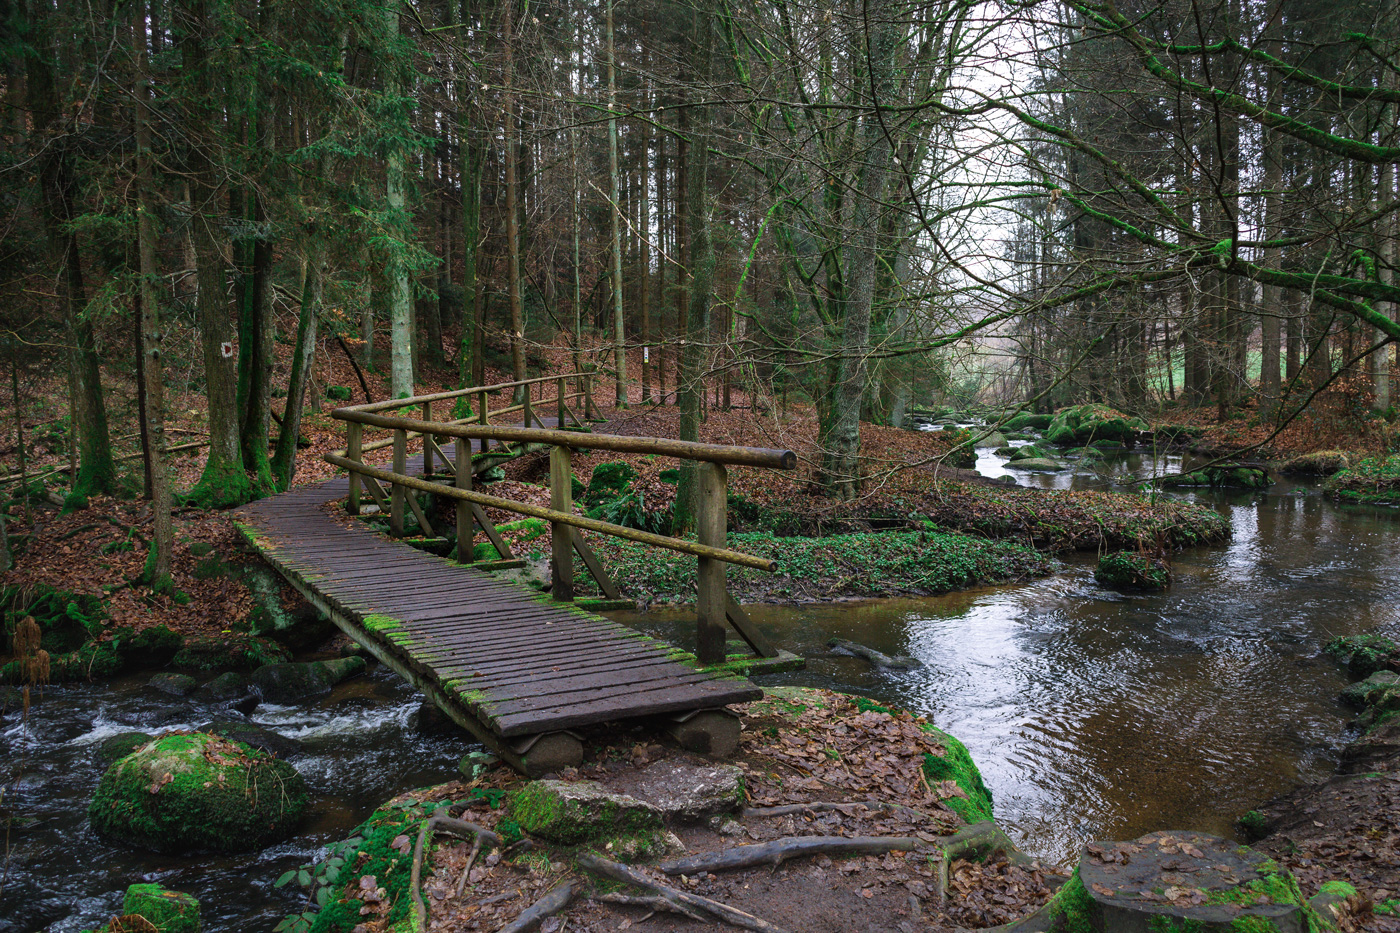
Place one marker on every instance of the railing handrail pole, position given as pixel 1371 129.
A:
pixel 577 521
pixel 685 450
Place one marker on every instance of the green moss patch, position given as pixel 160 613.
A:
pixel 1084 424
pixel 214 654
pixel 168 911
pixel 583 813
pixel 875 564
pixel 188 792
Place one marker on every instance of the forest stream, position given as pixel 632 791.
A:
pixel 1092 714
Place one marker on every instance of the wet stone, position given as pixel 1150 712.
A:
pixel 120 745
pixel 686 791
pixel 176 685
pixel 254 735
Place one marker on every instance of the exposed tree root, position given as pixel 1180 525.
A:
pixel 445 824
pixel 977 841
pixel 654 904
pixel 776 852
pixel 556 900
pixel 466 872
pixel 716 909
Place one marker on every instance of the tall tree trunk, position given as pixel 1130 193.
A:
pixel 512 130
pixel 1271 317
pixel 303 353
pixel 401 374
pixel 840 443
pixel 695 325
pixel 619 331
pixel 223 482
pixel 96 472
pixel 157 570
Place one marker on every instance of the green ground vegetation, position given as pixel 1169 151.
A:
pixel 1129 570
pixel 872 564
pixel 1372 480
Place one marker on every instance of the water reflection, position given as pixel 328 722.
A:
pixel 1098 715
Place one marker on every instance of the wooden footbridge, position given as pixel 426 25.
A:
pixel 518 669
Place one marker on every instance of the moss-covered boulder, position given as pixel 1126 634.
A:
pixel 254 736
pixel 1365 654
pixel 1027 420
pixel 1364 692
pixel 1178 882
pixel 1083 424
pixel 585 813
pixel 1318 463
pixel 168 911
pixel 172 684
pixel 118 746
pixel 1037 465
pixel 1374 480
pixel 1028 452
pixel 1225 477
pixel 193 792
pixel 294 682
pixel 1126 570
pixel 994 439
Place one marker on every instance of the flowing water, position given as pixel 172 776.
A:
pixel 362 745
pixel 1091 714
pixel 1094 714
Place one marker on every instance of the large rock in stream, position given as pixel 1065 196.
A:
pixel 1177 882
pixel 293 682
pixel 190 792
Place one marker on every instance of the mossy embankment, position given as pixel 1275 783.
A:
pixel 890 563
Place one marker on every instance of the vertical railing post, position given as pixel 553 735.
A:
pixel 397 491
pixel 427 441
pixel 559 391
pixel 466 529
pixel 353 430
pixel 711 523
pixel 529 390
pixel 587 396
pixel 561 536
pixel 484 417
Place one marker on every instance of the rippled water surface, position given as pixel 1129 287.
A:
pixel 1094 714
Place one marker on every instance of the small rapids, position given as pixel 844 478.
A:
pixel 362 744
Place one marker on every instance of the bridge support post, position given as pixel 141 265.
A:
pixel 561 536
pixel 427 441
pixel 396 490
pixel 353 432
pixel 711 604
pixel 559 387
pixel 466 532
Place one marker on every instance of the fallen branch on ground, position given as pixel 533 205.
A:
pixel 776 852
pixel 716 909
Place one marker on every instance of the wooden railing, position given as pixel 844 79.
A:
pixel 714 605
